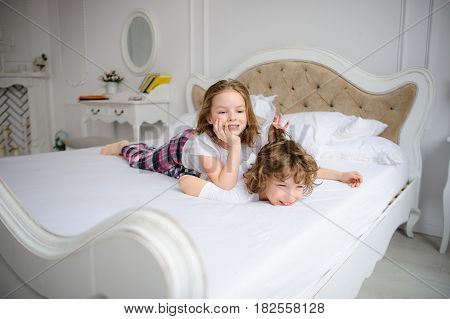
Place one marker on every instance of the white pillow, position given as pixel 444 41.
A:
pixel 321 124
pixel 263 106
pixel 374 149
pixel 359 127
pixel 316 129
pixel 305 136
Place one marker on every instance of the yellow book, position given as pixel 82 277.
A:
pixel 142 87
pixel 160 79
pixel 147 80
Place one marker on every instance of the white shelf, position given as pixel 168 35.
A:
pixel 24 75
pixel 160 94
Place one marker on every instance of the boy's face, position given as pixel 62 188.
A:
pixel 228 107
pixel 283 193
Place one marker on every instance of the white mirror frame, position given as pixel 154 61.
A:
pixel 140 70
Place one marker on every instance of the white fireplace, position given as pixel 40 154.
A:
pixel 26 130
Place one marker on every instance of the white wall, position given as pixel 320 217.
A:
pixel 15 29
pixel 350 28
pixel 212 36
pixel 435 150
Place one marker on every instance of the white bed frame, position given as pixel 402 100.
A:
pixel 147 254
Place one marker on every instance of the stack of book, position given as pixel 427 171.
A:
pixel 152 80
pixel 92 97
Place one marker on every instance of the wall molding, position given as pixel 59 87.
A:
pixel 85 74
pixel 199 36
pixel 427 44
pixel 401 37
pixel 192 53
pixel 206 38
pixel 26 12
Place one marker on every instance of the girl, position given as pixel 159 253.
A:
pixel 227 133
pixel 282 174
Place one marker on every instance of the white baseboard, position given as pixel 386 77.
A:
pixel 428 227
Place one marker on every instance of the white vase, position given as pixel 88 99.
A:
pixel 111 87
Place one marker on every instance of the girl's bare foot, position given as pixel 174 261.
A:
pixel 114 148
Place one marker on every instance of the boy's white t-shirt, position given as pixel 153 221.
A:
pixel 239 194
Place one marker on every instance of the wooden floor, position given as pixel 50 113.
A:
pixel 427 274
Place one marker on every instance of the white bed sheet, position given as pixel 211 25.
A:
pixel 251 250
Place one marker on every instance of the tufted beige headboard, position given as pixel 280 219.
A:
pixel 311 79
pixel 306 87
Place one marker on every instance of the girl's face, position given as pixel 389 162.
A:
pixel 229 108
pixel 283 193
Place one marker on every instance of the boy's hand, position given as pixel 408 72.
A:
pixel 276 125
pixel 352 179
pixel 223 133
pixel 277 122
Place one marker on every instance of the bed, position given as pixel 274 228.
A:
pixel 79 225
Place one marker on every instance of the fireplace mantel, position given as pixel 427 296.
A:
pixel 24 75
pixel 37 87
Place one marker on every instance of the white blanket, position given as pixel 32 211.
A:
pixel 251 250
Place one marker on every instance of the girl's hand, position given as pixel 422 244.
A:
pixel 223 133
pixel 352 179
pixel 277 125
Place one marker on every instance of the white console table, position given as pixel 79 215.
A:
pixel 152 108
pixel 446 200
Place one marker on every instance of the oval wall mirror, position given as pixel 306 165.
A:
pixel 139 42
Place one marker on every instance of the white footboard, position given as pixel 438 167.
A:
pixel 346 281
pixel 142 254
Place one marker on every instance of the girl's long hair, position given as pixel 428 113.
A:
pixel 248 136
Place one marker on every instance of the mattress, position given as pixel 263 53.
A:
pixel 249 250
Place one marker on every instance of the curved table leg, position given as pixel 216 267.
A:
pixel 137 132
pixel 414 216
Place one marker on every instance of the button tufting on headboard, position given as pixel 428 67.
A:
pixel 306 87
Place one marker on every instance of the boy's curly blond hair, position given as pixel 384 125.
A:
pixel 282 159
pixel 248 136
